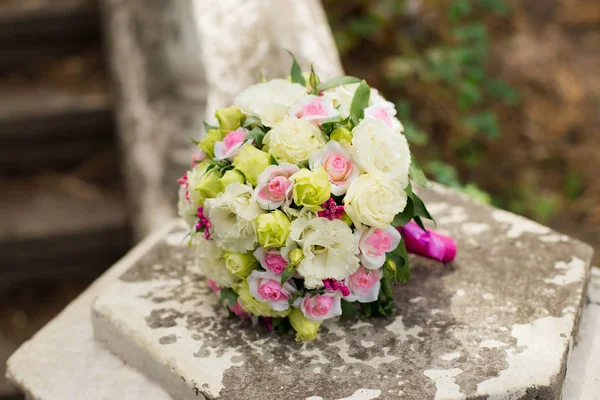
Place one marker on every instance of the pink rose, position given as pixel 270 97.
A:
pixel 314 108
pixel 320 306
pixel 336 161
pixel 271 260
pixel 386 112
pixel 213 286
pixel 266 287
pixel 373 243
pixel 239 311
pixel 274 186
pixel 364 285
pixel 231 144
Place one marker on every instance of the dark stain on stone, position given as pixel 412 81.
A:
pixel 169 339
pixel 163 318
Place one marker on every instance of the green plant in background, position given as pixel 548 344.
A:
pixel 431 58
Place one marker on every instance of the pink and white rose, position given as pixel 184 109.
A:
pixel 231 144
pixel 274 186
pixel 239 311
pixel 271 260
pixel 213 286
pixel 320 307
pixel 338 164
pixel 373 243
pixel 364 285
pixel 386 112
pixel 314 109
pixel 265 287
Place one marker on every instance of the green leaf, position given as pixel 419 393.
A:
pixel 458 9
pixel 348 310
pixel 498 7
pixel 313 80
pixel 419 222
pixel 385 307
pixel 366 310
pixel 273 161
pixel 503 91
pixel 360 101
pixel 399 256
pixel 468 94
pixel 251 120
pixel 209 168
pixel 386 288
pixel 288 272
pixel 208 126
pixel 257 135
pixel 405 216
pixel 444 173
pixel 296 71
pixel 420 209
pixel 416 172
pixel 229 295
pixel 337 81
pixel 484 122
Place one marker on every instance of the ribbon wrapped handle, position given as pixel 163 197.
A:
pixel 428 243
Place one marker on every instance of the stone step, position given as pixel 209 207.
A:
pixel 498 322
pixel 31 30
pixel 59 226
pixel 45 125
pixel 66 347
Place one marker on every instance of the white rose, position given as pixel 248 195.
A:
pixel 342 97
pixel 374 201
pixel 380 151
pixel 293 140
pixel 231 215
pixel 329 249
pixel 313 108
pixel 270 101
pixel 386 112
pixel 209 258
pixel 189 199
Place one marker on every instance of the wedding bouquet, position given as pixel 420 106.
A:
pixel 297 201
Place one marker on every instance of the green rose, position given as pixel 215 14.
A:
pixel 230 176
pixel 311 188
pixel 346 218
pixel 296 256
pixel 240 264
pixel 341 135
pixel 272 229
pixel 251 162
pixel 251 305
pixel 305 329
pixel 229 118
pixel 208 186
pixel 208 143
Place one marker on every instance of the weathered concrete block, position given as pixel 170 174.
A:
pixel 583 377
pixel 497 323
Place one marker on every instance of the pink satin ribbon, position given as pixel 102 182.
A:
pixel 430 244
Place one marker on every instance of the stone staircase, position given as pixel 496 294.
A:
pixel 63 216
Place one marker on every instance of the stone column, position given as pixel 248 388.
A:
pixel 162 53
pixel 241 38
pixel 159 94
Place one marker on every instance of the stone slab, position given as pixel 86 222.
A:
pixel 583 376
pixel 498 323
pixel 63 361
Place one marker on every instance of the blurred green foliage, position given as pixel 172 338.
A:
pixel 431 59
